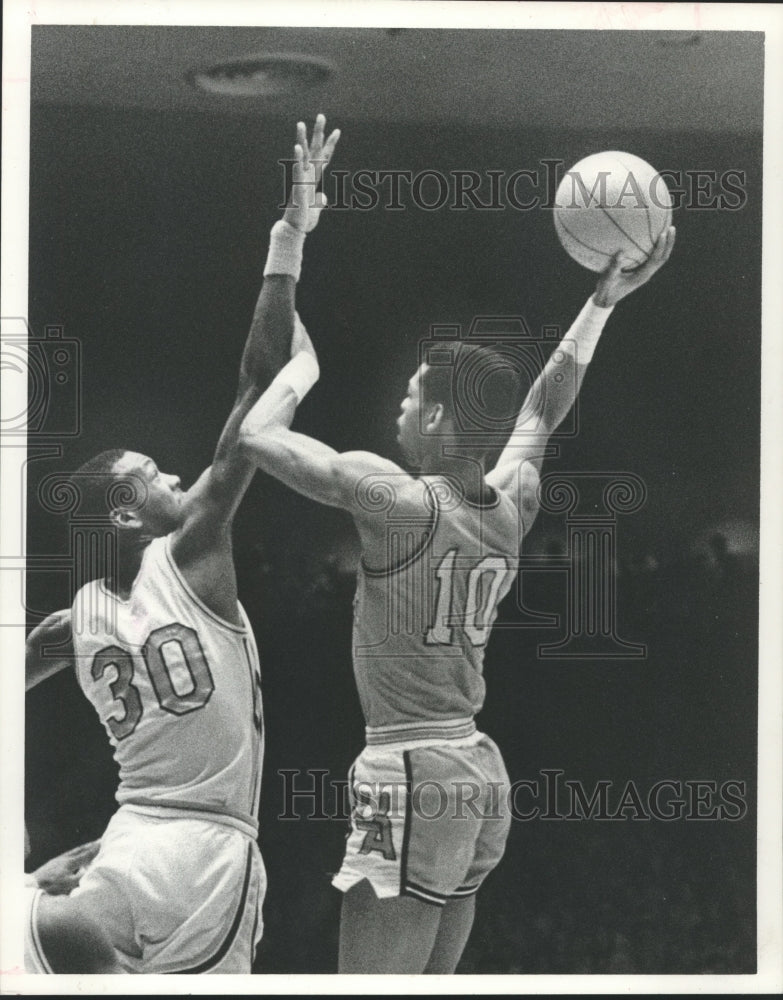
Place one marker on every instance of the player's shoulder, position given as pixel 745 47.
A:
pixel 86 598
pixel 379 485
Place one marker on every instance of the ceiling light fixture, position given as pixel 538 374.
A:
pixel 261 75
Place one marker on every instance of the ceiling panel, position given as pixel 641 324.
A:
pixel 572 79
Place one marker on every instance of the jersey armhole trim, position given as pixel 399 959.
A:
pixel 238 629
pixel 429 534
pixel 490 505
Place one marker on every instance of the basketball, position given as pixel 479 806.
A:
pixel 608 202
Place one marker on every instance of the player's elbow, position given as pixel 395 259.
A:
pixel 251 445
pixel 248 436
pixel 255 432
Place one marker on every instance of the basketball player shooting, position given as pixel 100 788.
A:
pixel 439 552
pixel 165 653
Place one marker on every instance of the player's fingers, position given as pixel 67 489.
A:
pixel 318 133
pixel 661 243
pixel 85 852
pixel 614 266
pixel 329 145
pixel 301 134
pixel 671 236
pixel 661 251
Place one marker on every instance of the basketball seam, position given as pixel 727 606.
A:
pixel 647 213
pixel 576 239
pixel 626 235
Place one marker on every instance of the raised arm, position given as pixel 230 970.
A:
pixel 360 482
pixel 304 464
pixel 555 390
pixel 212 502
pixel 48 648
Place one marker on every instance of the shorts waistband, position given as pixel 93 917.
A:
pixel 438 730
pixel 176 810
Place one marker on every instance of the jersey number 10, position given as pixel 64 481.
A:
pixel 482 599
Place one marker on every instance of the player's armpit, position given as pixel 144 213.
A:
pixel 519 480
pixel 48 648
pixel 527 444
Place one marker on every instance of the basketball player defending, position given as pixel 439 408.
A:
pixel 165 653
pixel 439 552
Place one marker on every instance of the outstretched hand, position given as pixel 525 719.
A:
pixel 62 874
pixel 310 161
pixel 615 283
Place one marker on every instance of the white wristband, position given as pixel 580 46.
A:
pixel 285 250
pixel 583 335
pixel 300 375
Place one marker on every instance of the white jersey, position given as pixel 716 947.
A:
pixel 177 689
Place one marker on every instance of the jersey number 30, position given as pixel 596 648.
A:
pixel 170 648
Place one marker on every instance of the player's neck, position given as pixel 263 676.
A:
pixel 129 558
pixel 466 471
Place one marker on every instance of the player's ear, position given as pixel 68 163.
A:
pixel 123 518
pixel 434 417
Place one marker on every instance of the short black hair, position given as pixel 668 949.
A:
pixel 478 387
pixel 93 482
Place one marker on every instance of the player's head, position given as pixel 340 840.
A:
pixel 129 489
pixel 471 399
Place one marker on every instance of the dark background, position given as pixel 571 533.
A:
pixel 148 235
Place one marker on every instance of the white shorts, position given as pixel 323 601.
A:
pixel 35 960
pixel 429 820
pixel 176 895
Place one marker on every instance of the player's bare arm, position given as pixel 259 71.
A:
pixel 219 490
pixel 48 648
pixel 348 480
pixel 210 505
pixel 555 390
